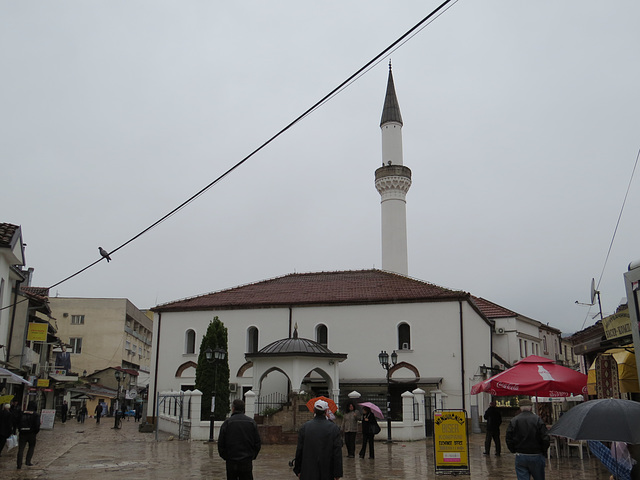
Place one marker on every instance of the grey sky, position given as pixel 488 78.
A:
pixel 521 129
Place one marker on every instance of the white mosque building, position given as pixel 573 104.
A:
pixel 322 332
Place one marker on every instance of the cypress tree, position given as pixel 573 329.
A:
pixel 216 337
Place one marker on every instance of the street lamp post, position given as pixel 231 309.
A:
pixel 383 358
pixel 119 376
pixel 213 356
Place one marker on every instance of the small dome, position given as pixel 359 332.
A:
pixel 300 346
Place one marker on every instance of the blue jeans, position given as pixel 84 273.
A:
pixel 530 465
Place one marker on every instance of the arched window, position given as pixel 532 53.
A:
pixel 322 335
pixel 404 337
pixel 190 342
pixel 252 340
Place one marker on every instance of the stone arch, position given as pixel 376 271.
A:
pixel 402 365
pixel 243 369
pixel 184 366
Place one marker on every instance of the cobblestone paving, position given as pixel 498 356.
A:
pixel 73 451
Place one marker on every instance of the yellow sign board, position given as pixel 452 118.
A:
pixel 37 332
pixel 5 399
pixel 617 325
pixel 43 382
pixel 451 443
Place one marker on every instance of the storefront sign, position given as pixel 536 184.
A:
pixel 617 325
pixel 37 332
pixel 451 443
pixel 43 382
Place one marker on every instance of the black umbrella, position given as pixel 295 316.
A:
pixel 607 420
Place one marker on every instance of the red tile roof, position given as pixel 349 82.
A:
pixel 7 232
pixel 492 310
pixel 323 288
pixel 41 292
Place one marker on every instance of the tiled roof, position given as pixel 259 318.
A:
pixel 7 232
pixel 492 310
pixel 40 292
pixel 323 288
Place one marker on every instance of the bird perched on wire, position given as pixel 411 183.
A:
pixel 105 254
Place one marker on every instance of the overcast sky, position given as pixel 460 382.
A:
pixel 520 128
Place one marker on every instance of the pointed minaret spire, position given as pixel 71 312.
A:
pixel 393 180
pixel 391 109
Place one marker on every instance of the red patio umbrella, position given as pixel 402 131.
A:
pixel 534 376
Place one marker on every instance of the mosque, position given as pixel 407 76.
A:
pixel 322 332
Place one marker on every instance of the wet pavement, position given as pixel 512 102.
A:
pixel 73 451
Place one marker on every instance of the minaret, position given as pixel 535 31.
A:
pixel 392 182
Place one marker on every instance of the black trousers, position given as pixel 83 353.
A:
pixel 23 439
pixel 350 442
pixel 495 436
pixel 240 470
pixel 367 438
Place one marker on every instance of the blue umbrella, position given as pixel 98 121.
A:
pixel 620 469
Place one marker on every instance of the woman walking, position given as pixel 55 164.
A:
pixel 369 430
pixel 350 429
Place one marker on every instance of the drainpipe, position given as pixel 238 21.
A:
pixel 290 320
pixel 13 318
pixel 155 375
pixel 462 356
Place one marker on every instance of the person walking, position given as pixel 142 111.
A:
pixel 370 428
pixel 319 450
pixel 494 419
pixel 98 412
pixel 64 410
pixel 528 437
pixel 350 429
pixel 28 427
pixel 83 412
pixel 7 424
pixel 239 443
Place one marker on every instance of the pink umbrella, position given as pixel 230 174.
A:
pixel 534 376
pixel 374 408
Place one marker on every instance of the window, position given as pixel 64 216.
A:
pixel 77 319
pixel 252 340
pixel 404 337
pixel 190 342
pixel 521 349
pixel 76 345
pixel 544 344
pixel 526 349
pixel 322 335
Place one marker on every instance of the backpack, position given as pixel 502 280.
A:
pixel 26 422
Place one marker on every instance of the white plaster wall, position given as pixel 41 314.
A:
pixel 4 301
pixel 359 331
pixel 394 236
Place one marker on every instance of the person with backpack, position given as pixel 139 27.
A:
pixel 28 427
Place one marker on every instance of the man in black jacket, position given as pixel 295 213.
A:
pixel 528 437
pixel 28 427
pixel 319 451
pixel 494 419
pixel 239 443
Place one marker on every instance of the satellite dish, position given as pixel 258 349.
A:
pixel 593 291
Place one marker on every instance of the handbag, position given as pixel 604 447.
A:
pixel 12 442
pixel 375 429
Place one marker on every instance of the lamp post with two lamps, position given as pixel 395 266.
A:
pixel 119 376
pixel 383 358
pixel 214 356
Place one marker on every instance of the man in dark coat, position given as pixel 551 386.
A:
pixel 494 419
pixel 29 427
pixel 7 424
pixel 528 437
pixel 239 443
pixel 319 452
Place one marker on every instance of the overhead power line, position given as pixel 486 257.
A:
pixel 396 44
